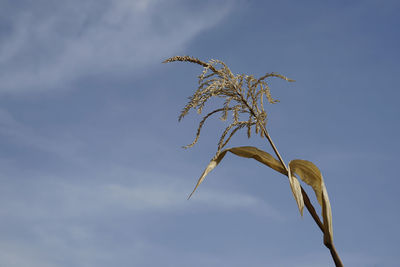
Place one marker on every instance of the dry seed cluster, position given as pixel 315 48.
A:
pixel 243 96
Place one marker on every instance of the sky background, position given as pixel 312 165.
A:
pixel 92 172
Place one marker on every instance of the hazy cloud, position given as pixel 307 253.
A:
pixel 53 46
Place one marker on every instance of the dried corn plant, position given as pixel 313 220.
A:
pixel 244 97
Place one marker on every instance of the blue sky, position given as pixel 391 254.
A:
pixel 92 172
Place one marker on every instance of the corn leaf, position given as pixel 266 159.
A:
pixel 246 152
pixel 311 175
pixel 296 190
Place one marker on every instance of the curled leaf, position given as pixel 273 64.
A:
pixel 327 216
pixel 245 152
pixel 296 190
pixel 311 175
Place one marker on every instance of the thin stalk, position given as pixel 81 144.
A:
pixel 306 199
pixel 308 204
pixel 334 254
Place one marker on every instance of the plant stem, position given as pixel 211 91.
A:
pixel 308 204
pixel 306 199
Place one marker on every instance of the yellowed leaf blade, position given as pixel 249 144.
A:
pixel 270 161
pixel 311 175
pixel 246 152
pixel 327 216
pixel 259 155
pixel 296 190
pixel 213 163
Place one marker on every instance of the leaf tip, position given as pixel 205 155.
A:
pixel 191 194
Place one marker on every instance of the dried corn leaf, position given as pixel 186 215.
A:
pixel 327 216
pixel 311 175
pixel 259 155
pixel 296 190
pixel 246 152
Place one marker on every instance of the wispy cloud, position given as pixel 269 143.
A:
pixel 55 46
pixel 58 218
pixel 126 192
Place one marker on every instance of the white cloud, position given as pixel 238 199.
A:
pixel 172 197
pixel 55 221
pixel 66 199
pixel 49 49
